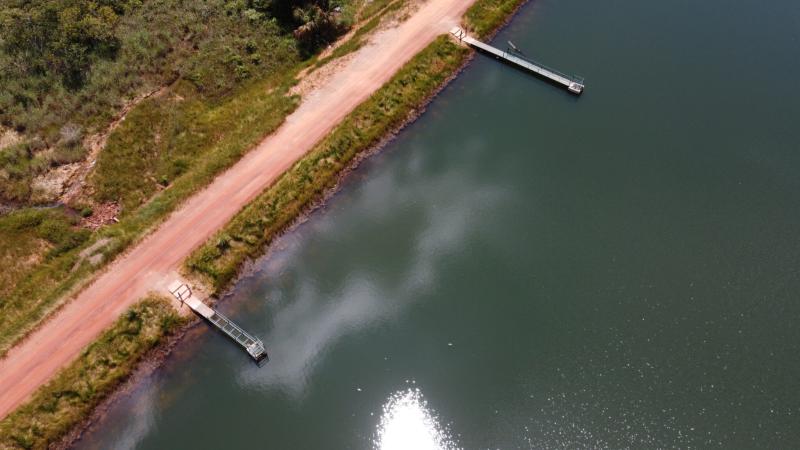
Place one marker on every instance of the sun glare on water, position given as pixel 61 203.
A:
pixel 407 423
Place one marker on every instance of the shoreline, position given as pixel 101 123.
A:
pixel 304 215
pixel 154 359
pixel 151 362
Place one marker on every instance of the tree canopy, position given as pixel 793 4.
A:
pixel 59 37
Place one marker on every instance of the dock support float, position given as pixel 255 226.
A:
pixel 252 345
pixel 573 84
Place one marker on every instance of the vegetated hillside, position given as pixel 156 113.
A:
pixel 69 66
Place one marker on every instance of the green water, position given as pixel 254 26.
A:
pixel 538 270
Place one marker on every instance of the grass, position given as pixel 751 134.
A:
pixel 485 16
pixel 231 128
pixel 72 395
pixel 166 150
pixel 257 224
pixel 373 8
pixel 205 135
pixel 69 397
pixel 168 137
pixel 32 236
pixel 215 46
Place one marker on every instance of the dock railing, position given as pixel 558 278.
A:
pixel 574 78
pixel 252 345
pixel 516 58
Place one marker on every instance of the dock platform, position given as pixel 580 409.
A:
pixel 252 345
pixel 573 84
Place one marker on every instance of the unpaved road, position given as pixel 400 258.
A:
pixel 149 265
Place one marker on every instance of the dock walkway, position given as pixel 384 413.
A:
pixel 253 346
pixel 573 84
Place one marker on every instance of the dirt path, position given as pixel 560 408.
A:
pixel 148 266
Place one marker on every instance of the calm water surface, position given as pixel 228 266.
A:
pixel 524 269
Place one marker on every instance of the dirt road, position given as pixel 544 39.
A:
pixel 148 266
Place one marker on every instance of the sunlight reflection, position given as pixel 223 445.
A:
pixel 408 423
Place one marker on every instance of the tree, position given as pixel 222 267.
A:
pixel 58 38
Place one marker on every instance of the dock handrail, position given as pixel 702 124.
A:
pixel 252 345
pixel 574 78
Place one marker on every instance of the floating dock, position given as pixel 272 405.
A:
pixel 252 345
pixel 573 84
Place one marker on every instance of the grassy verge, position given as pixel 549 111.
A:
pixel 75 391
pixel 215 45
pixel 485 16
pixel 258 223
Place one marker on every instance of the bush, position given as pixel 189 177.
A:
pixel 71 135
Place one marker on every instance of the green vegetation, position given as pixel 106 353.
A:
pixel 257 224
pixel 168 147
pixel 237 124
pixel 169 136
pixel 227 90
pixel 69 66
pixel 485 16
pixel 75 391
pixel 32 237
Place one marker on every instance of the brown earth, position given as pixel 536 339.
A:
pixel 151 265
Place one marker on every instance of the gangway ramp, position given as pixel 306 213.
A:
pixel 252 345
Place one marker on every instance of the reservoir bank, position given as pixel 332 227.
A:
pixel 522 268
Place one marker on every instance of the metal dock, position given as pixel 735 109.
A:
pixel 573 84
pixel 253 346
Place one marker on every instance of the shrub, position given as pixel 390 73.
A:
pixel 71 135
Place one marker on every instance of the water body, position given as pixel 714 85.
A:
pixel 526 269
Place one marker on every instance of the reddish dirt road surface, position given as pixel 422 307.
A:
pixel 148 266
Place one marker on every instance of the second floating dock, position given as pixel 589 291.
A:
pixel 573 84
